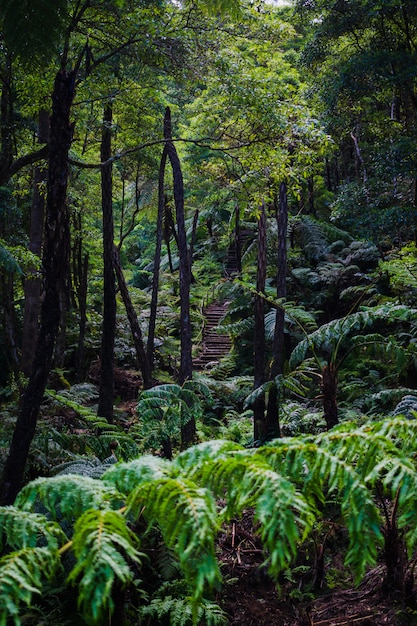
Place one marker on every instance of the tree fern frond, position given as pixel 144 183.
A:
pixel 68 495
pixel 249 481
pixel 186 516
pixel 85 466
pixel 320 471
pixel 204 452
pixel 21 529
pixel 22 574
pixel 329 334
pixel 127 476
pixel 102 544
pixel 180 612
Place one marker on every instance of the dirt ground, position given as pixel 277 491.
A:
pixel 250 598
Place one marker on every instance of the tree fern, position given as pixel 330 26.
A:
pixel 103 546
pixel 23 529
pixel 179 612
pixel 22 574
pixel 67 496
pixel 287 484
pixel 186 516
pixel 248 480
pixel 329 335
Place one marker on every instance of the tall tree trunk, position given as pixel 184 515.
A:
pixel 328 386
pixel 6 121
pixel 272 416
pixel 238 239
pixel 33 284
pixel 10 323
pixel 259 425
pixel 56 242
pixel 157 261
pixel 82 312
pixel 133 321
pixel 188 430
pixel 106 392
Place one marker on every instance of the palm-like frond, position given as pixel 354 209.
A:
pixel 102 545
pixel 186 516
pixel 330 334
pixel 23 529
pixel 22 575
pixel 67 496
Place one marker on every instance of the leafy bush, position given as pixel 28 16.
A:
pixel 93 534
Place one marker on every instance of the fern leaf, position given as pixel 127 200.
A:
pixel 186 516
pixel 21 529
pixel 102 544
pixel 68 496
pixel 248 480
pixel 204 452
pixel 127 476
pixel 22 574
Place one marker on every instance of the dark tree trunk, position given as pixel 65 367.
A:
pixel 33 284
pixel 188 430
pixel 259 424
pixel 277 367
pixel 6 122
pixel 10 323
pixel 56 243
pixel 328 386
pixel 133 321
pixel 106 393
pixel 238 240
pixel 157 261
pixel 82 312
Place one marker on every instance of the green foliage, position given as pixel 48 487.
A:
pixel 178 611
pixel 104 549
pixel 164 409
pixel 328 337
pixel 23 26
pixel 287 484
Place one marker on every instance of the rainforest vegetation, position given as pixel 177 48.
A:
pixel 208 312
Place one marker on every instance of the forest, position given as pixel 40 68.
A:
pixel 208 312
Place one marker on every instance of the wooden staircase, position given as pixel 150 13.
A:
pixel 214 345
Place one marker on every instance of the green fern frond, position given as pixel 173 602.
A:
pixel 85 466
pixel 103 546
pixel 204 452
pixel 68 496
pixel 249 481
pixel 329 334
pixel 320 472
pixel 180 612
pixel 21 529
pixel 186 516
pixel 127 476
pixel 22 575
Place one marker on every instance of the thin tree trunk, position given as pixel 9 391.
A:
pixel 82 311
pixel 133 321
pixel 259 425
pixel 33 283
pixel 106 392
pixel 238 240
pixel 272 416
pixel 328 386
pixel 188 430
pixel 56 242
pixel 157 262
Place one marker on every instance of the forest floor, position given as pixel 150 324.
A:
pixel 250 597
